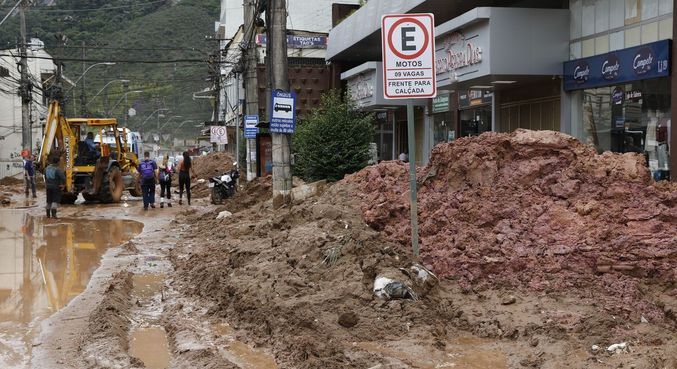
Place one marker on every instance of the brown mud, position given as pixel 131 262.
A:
pixel 299 280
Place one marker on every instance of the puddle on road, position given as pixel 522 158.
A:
pixel 150 345
pixel 44 264
pixel 147 286
pixel 240 353
pixel 465 352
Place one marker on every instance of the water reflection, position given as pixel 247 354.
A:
pixel 43 265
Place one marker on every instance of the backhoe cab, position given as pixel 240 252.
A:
pixel 102 170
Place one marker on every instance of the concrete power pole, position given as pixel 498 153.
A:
pixel 251 92
pixel 277 64
pixel 25 86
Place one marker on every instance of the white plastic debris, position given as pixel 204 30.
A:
pixel 617 348
pixel 224 214
pixel 594 348
pixel 643 319
pixel 391 289
pixel 379 284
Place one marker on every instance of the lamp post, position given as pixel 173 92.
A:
pixel 78 80
pixel 104 87
pixel 169 120
pixel 149 116
pixel 124 96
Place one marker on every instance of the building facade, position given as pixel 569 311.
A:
pixel 618 81
pixel 599 70
pixel 41 68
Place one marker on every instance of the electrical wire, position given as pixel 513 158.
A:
pixel 46 10
pixel 117 60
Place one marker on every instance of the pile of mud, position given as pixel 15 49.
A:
pixel 535 209
pixel 212 164
pixel 11 181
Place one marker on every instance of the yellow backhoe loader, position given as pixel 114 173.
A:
pixel 100 172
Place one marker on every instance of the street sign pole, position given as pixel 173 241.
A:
pixel 412 177
pixel 408 48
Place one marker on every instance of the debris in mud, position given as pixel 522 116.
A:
pixel 389 289
pixel 617 348
pixel 224 214
pixel 348 320
pixel 535 209
pixel 10 181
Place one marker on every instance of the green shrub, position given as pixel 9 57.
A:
pixel 333 141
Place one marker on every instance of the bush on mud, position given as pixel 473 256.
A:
pixel 333 141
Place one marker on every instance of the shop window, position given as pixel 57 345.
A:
pixel 444 129
pixel 474 122
pixel 635 117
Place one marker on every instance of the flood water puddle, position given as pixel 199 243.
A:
pixel 150 346
pixel 240 353
pixel 466 352
pixel 44 264
pixel 147 286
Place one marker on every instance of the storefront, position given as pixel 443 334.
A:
pixel 365 89
pixel 625 103
pixel 501 73
pixel 444 124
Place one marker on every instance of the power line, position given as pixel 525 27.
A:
pixel 129 48
pixel 116 61
pixel 47 10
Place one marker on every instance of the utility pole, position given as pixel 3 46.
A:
pixel 82 86
pixel 251 93
pixel 125 85
pixel 25 85
pixel 277 66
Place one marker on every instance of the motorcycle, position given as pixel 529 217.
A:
pixel 225 185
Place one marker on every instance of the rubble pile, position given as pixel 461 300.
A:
pixel 207 166
pixel 210 165
pixel 535 209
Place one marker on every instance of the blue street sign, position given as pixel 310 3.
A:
pixel 250 128
pixel 283 112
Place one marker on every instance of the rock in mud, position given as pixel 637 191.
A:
pixel 348 320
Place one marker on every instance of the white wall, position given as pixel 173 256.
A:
pixel 304 15
pixel 10 106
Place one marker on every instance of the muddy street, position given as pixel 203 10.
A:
pixel 545 277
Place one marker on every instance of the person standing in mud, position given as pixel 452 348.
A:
pixel 185 171
pixel 166 182
pixel 29 175
pixel 148 172
pixel 55 180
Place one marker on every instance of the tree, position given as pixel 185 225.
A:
pixel 333 141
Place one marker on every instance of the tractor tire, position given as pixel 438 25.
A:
pixel 89 197
pixel 112 186
pixel 136 191
pixel 68 198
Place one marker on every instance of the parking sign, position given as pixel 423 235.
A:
pixel 408 42
pixel 218 135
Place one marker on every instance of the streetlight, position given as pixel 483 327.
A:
pixel 169 120
pixel 78 80
pixel 104 87
pixel 150 115
pixel 123 96
pixel 181 125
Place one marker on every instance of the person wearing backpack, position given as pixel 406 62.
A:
pixel 166 171
pixel 148 172
pixel 55 180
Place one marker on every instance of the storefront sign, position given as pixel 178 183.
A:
pixel 471 98
pixel 633 95
pixel 617 96
pixel 298 42
pixel 441 103
pixel 361 87
pixel 458 52
pixel 627 65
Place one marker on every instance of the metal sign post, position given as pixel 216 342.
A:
pixel 408 45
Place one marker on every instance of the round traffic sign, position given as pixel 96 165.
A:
pixel 421 28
